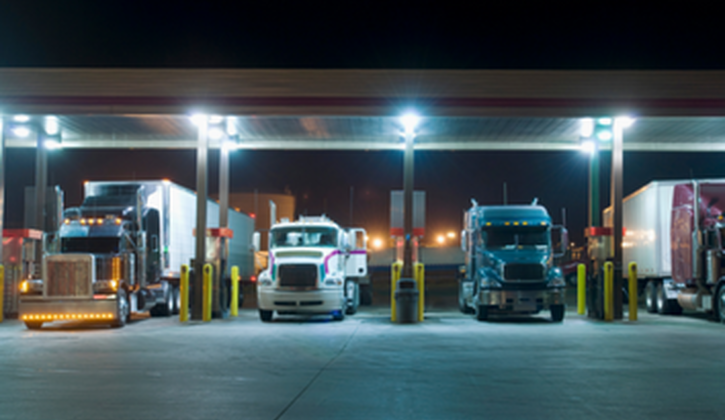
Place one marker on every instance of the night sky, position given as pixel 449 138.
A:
pixel 474 35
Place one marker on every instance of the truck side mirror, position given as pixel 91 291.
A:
pixel 563 240
pixel 464 241
pixel 256 240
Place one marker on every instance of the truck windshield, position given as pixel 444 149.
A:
pixel 304 236
pixel 511 238
pixel 90 245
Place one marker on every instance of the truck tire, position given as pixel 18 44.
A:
pixel 338 315
pixel 177 299
pixel 33 325
pixel 720 304
pixel 650 297
pixel 557 313
pixel 123 310
pixel 482 313
pixel 166 308
pixel 666 306
pixel 265 316
pixel 351 303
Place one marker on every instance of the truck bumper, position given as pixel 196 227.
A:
pixel 45 310
pixel 521 301
pixel 302 302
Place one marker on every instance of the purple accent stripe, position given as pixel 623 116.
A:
pixel 327 258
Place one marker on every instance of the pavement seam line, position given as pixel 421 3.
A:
pixel 317 375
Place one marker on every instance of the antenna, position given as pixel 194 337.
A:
pixel 535 202
pixel 474 203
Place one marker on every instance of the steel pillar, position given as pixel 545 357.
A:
pixel 617 223
pixel 594 191
pixel 408 167
pixel 201 198
pixel 2 184
pixel 223 186
pixel 41 178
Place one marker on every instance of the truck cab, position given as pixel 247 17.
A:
pixel 314 267
pixel 509 262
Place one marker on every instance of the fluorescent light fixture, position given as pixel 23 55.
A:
pixel 586 128
pixel 53 144
pixel 410 121
pixel 216 133
pixel 605 121
pixel 625 122
pixel 588 146
pixel 21 131
pixel 21 118
pixel 604 135
pixel 198 119
pixel 215 119
pixel 231 127
pixel 51 125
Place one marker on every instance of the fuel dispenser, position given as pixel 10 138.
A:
pixel 22 261
pixel 217 255
pixel 599 249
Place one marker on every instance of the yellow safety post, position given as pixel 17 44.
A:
pixel 419 270
pixel 581 289
pixel 395 271
pixel 184 291
pixel 2 291
pixel 235 290
pixel 206 307
pixel 608 291
pixel 633 291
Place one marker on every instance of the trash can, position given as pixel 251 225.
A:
pixel 406 301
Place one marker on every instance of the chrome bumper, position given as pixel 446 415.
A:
pixel 521 301
pixel 47 310
pixel 303 301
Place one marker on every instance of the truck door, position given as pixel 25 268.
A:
pixel 356 264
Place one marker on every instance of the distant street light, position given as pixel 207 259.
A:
pixel 377 243
pixel 451 235
pixel 441 239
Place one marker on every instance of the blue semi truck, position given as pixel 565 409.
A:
pixel 509 262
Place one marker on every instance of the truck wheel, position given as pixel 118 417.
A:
pixel 167 307
pixel 650 297
pixel 123 310
pixel 33 325
pixel 720 304
pixel 557 313
pixel 176 295
pixel 352 297
pixel 666 306
pixel 338 315
pixel 265 316
pixel 482 313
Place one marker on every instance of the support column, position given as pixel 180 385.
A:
pixel 617 223
pixel 594 192
pixel 201 198
pixel 2 184
pixel 41 178
pixel 223 186
pixel 408 166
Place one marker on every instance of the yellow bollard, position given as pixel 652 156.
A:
pixel 395 271
pixel 633 291
pixel 581 289
pixel 206 307
pixel 419 270
pixel 235 291
pixel 2 291
pixel 608 291
pixel 184 291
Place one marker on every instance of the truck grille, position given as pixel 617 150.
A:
pixel 526 272
pixel 68 275
pixel 297 275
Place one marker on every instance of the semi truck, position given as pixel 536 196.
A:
pixel 509 262
pixel 314 268
pixel 673 230
pixel 121 252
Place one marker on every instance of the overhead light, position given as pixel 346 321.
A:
pixel 216 133
pixel 625 122
pixel 604 135
pixel 587 127
pixel 52 144
pixel 605 121
pixel 410 121
pixel 198 119
pixel 231 127
pixel 588 146
pixel 21 118
pixel 51 126
pixel 21 131
pixel 215 119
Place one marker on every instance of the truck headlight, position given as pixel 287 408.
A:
pixel 264 279
pixel 31 287
pixel 556 278
pixel 105 286
pixel 489 279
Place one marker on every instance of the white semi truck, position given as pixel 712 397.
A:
pixel 122 251
pixel 314 268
